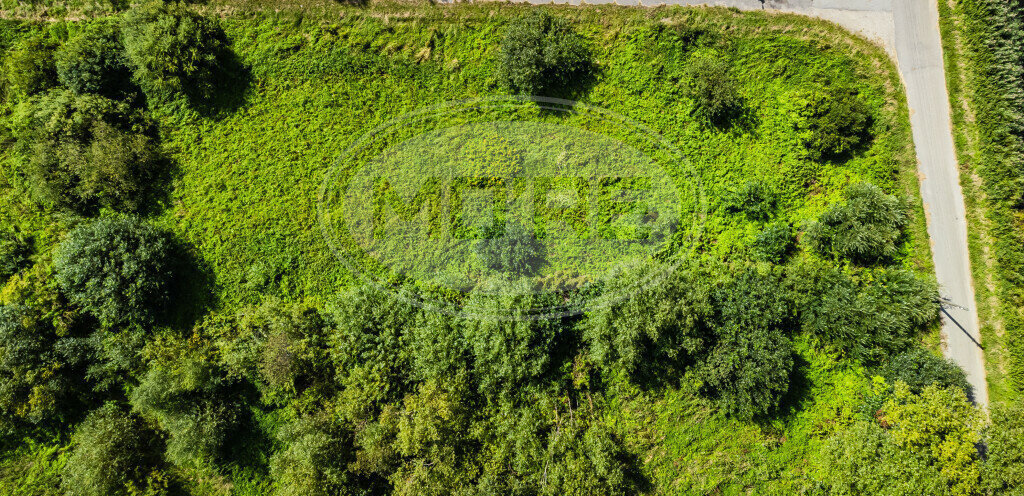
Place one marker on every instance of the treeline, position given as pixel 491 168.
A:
pixel 992 35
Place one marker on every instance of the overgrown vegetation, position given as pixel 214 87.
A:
pixel 983 45
pixel 763 362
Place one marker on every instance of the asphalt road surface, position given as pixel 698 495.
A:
pixel 909 31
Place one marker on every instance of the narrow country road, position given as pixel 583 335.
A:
pixel 909 32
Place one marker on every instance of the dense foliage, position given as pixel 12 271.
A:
pixel 30 68
pixel 82 152
pixel 715 93
pixel 724 374
pixel 115 452
pixel 835 122
pixel 120 270
pixel 93 61
pixel 173 51
pixel 867 228
pixel 541 55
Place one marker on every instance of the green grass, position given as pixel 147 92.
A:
pixel 248 177
pixel 990 180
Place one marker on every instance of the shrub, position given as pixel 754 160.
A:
pixel 281 348
pixel 30 67
pixel 835 122
pixel 87 151
pixel 1004 468
pixel 944 427
pixel 192 401
pixel 14 253
pixel 516 251
pixel 774 242
pixel 93 62
pixel 715 93
pixel 748 368
pixel 509 345
pixel 315 458
pixel 918 368
pixel 867 228
pixel 114 453
pixel 368 348
pixel 865 316
pixel 117 269
pixel 863 459
pixel 755 199
pixel 173 51
pixel 539 53
pixel 655 329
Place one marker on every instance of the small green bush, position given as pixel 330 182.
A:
pixel 835 121
pixel 83 152
pixel 774 242
pixel 753 198
pixel 173 51
pixel 867 228
pixel 115 452
pixel 30 67
pixel 919 368
pixel 117 269
pixel 539 54
pixel 713 90
pixel 1004 469
pixel 93 61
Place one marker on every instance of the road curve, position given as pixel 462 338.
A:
pixel 909 31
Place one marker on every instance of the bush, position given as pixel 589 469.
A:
pixel 835 122
pixel 865 316
pixel 14 253
pixel 510 346
pixel 774 242
pixel 114 453
pixel 281 348
pixel 656 330
pixel 863 459
pixel 93 61
pixel 715 93
pixel 1004 468
pixel 755 199
pixel 868 228
pixel 539 53
pixel 117 269
pixel 173 51
pixel 87 151
pixel 516 251
pixel 315 458
pixel 34 386
pixel 193 402
pixel 369 348
pixel 748 369
pixel 919 368
pixel 30 67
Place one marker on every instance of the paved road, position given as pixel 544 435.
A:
pixel 909 31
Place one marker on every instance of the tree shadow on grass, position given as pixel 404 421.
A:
pixel 193 288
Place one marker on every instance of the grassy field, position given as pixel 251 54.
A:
pixel 320 75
